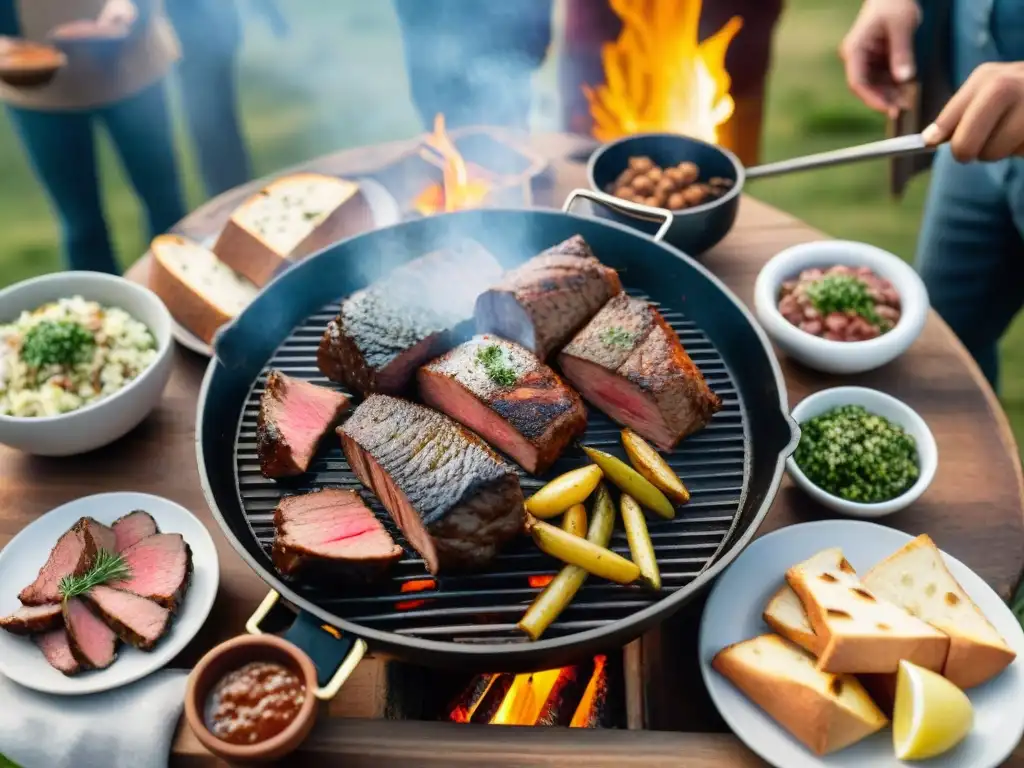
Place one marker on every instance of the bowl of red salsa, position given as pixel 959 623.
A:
pixel 251 699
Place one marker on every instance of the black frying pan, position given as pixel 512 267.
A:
pixel 733 467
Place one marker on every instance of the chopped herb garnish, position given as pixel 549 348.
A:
pixel 617 336
pixel 310 215
pixel 857 455
pixel 844 293
pixel 492 358
pixel 107 567
pixel 57 342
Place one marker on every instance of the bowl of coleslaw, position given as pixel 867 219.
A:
pixel 84 358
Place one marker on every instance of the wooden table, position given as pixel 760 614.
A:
pixel 974 509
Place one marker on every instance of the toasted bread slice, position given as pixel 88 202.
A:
pixel 200 291
pixel 785 614
pixel 824 711
pixel 862 633
pixel 290 218
pixel 916 578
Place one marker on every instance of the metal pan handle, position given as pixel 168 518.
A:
pixel 334 655
pixel 645 212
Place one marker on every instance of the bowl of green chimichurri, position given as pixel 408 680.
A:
pixel 862 453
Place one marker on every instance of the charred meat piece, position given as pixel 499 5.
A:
pixel 160 569
pixel 455 500
pixel 383 333
pixel 136 620
pixel 72 555
pixel 294 415
pixel 133 528
pixel 508 397
pixel 92 643
pixel 332 532
pixel 542 303
pixel 103 535
pixel 33 619
pixel 57 651
pixel 631 365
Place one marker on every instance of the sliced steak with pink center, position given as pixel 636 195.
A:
pixel 33 619
pixel 332 532
pixel 93 643
pixel 508 397
pixel 294 416
pixel 383 333
pixel 455 500
pixel 543 302
pixel 57 650
pixel 72 555
pixel 133 528
pixel 136 620
pixel 160 565
pixel 629 363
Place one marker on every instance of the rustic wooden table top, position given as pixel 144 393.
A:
pixel 974 509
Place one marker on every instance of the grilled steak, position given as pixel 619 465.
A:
pixel 332 532
pixel 33 619
pixel 92 643
pixel 160 569
pixel 133 528
pixel 294 415
pixel 383 333
pixel 454 499
pixel 542 303
pixel 57 651
pixel 508 397
pixel 136 620
pixel 630 364
pixel 72 555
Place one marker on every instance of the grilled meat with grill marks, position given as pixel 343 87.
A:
pixel 454 499
pixel 508 397
pixel 334 533
pixel 383 333
pixel 629 363
pixel 294 415
pixel 542 303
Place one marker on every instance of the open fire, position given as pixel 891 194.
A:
pixel 462 185
pixel 659 77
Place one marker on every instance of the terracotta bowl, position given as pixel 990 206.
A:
pixel 24 64
pixel 232 655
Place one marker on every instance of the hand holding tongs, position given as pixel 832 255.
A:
pixel 910 144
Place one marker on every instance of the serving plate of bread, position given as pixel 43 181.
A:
pixel 206 284
pixel 802 639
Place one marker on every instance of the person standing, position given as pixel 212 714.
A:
pixel 121 89
pixel 970 251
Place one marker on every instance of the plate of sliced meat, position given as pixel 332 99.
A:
pixel 103 591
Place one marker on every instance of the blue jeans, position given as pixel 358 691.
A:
pixel 971 253
pixel 61 148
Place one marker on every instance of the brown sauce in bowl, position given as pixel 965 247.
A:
pixel 254 703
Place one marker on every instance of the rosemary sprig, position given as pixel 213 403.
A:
pixel 107 567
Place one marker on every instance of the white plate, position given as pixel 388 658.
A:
pixel 733 613
pixel 21 559
pixel 384 210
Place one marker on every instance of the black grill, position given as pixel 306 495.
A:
pixel 484 607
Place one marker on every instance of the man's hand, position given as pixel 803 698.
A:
pixel 878 51
pixel 985 118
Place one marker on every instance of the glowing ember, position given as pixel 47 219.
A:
pixel 458 189
pixel 589 710
pixel 539 582
pixel 414 585
pixel 658 77
pixel 525 698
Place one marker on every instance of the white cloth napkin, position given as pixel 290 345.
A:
pixel 128 727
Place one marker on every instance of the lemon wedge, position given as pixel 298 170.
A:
pixel 931 715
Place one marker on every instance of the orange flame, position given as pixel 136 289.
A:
pixel 598 681
pixel 523 702
pixel 458 189
pixel 658 77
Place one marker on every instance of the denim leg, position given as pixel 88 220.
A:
pixel 971 257
pixel 62 152
pixel 140 127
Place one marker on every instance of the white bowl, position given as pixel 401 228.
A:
pixel 840 356
pixel 884 405
pixel 103 421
